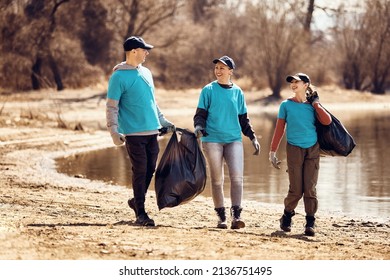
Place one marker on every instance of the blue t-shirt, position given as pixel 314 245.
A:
pixel 134 89
pixel 223 106
pixel 300 119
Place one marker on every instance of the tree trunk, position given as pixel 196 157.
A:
pixel 56 72
pixel 36 73
pixel 309 16
pixel 276 93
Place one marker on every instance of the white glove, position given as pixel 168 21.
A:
pixel 170 127
pixel 274 160
pixel 118 138
pixel 198 131
pixel 256 144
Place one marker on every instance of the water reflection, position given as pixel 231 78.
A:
pixel 357 184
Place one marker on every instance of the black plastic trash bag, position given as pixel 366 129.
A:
pixel 181 173
pixel 334 139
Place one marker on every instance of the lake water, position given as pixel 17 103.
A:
pixel 357 185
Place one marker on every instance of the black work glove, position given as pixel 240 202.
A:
pixel 166 129
pixel 312 96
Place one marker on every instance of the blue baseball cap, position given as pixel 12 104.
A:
pixel 299 77
pixel 226 60
pixel 135 42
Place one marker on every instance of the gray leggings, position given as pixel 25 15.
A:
pixel 233 155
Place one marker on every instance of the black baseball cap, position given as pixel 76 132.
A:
pixel 135 42
pixel 299 77
pixel 226 60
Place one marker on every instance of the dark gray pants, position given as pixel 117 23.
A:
pixel 303 166
pixel 143 152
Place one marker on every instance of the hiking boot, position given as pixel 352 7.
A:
pixel 222 217
pixel 310 226
pixel 285 220
pixel 235 212
pixel 144 220
pixel 131 203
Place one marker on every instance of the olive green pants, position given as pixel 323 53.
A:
pixel 303 166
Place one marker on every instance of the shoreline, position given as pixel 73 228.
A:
pixel 278 207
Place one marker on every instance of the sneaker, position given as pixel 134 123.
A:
pixel 235 212
pixel 131 203
pixel 310 226
pixel 285 221
pixel 144 220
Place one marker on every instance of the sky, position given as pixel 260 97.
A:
pixel 323 20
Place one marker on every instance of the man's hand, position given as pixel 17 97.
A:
pixel 118 138
pixel 164 130
pixel 274 160
pixel 256 144
pixel 167 126
pixel 199 131
pixel 170 128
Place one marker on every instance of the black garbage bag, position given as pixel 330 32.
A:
pixel 181 173
pixel 334 139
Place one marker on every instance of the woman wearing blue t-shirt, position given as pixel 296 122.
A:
pixel 220 118
pixel 298 114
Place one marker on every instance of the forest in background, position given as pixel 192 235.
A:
pixel 75 43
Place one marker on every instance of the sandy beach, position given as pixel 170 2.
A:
pixel 46 215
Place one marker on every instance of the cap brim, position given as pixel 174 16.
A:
pixel 148 47
pixel 290 78
pixel 218 60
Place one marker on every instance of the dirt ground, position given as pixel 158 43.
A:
pixel 50 216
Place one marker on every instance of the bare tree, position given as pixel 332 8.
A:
pixel 276 40
pixel 349 42
pixel 13 53
pixel 43 13
pixel 137 17
pixel 364 42
pixel 202 10
pixel 377 22
pixel 309 16
pixel 94 44
pixel 303 12
pixel 188 63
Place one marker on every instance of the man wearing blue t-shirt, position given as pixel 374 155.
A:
pixel 134 118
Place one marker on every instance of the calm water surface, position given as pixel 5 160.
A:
pixel 356 185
